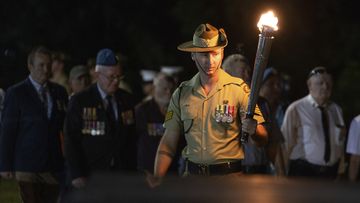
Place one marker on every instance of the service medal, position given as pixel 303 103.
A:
pixel 83 131
pixel 230 119
pixel 102 128
pixel 97 128
pixel 86 127
pixel 84 114
pixel 217 114
pixel 93 132
pixel 231 114
pixel 225 114
pixel 221 112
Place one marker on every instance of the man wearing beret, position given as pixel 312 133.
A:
pixel 209 111
pixel 99 126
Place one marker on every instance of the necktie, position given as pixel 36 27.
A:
pixel 43 97
pixel 110 110
pixel 325 125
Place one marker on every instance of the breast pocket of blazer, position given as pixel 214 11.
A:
pixel 188 117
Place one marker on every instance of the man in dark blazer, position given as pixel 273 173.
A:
pixel 99 127
pixel 150 115
pixel 32 123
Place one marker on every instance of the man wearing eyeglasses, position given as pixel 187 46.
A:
pixel 99 127
pixel 314 130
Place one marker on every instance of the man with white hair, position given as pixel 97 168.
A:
pixel 150 116
pixel 314 130
pixel 237 65
pixel 100 128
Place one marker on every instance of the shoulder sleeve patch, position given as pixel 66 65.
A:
pixel 169 115
pixel 246 88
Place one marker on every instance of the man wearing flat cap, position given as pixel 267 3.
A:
pixel 99 127
pixel 79 79
pixel 314 131
pixel 209 111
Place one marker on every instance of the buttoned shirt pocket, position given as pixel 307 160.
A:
pixel 339 138
pixel 188 116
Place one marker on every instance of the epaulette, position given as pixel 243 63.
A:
pixel 234 83
pixel 242 84
pixel 184 83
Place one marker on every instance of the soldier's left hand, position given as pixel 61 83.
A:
pixel 249 125
pixel 152 180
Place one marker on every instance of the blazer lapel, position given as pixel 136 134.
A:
pixel 98 101
pixel 56 103
pixel 34 96
pixel 119 104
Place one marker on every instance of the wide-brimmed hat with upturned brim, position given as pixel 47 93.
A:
pixel 206 38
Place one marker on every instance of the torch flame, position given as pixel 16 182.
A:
pixel 268 19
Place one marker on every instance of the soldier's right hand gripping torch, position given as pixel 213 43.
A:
pixel 267 26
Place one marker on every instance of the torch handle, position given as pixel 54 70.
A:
pixel 262 54
pixel 244 138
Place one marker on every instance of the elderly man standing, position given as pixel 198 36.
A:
pixel 32 122
pixel 208 110
pixel 237 65
pixel 79 79
pixel 99 127
pixel 314 130
pixel 150 115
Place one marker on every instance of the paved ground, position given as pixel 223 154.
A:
pixel 125 188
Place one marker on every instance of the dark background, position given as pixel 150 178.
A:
pixel 146 32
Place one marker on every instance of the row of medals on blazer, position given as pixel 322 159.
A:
pixel 91 126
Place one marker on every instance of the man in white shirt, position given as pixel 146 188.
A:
pixel 314 130
pixel 353 148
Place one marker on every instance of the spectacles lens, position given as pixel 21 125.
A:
pixel 317 71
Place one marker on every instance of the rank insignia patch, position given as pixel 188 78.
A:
pixel 169 115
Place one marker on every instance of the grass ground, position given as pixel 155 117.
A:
pixel 9 191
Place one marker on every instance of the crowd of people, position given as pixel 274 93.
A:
pixel 58 130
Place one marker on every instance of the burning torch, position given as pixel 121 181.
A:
pixel 267 26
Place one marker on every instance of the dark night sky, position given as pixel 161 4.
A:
pixel 322 32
